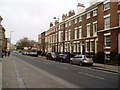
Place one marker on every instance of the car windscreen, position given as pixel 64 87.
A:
pixel 53 53
pixel 62 54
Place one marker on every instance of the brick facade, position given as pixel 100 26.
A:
pixel 93 31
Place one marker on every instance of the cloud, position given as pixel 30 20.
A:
pixel 31 17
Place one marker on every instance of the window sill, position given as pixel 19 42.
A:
pixel 95 15
pixel 80 21
pixel 88 18
pixel 107 48
pixel 106 9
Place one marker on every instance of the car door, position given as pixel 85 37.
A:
pixel 75 59
pixel 78 59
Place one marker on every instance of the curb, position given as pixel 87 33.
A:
pixel 105 69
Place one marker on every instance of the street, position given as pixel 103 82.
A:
pixel 20 71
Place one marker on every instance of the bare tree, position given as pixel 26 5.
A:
pixel 25 42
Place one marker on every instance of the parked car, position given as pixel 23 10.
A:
pixel 63 58
pixel 51 55
pixel 81 60
pixel 33 54
pixel 24 53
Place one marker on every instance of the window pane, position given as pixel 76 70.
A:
pixel 88 15
pixel 80 18
pixel 87 46
pixel 107 41
pixel 95 27
pixel 88 30
pixel 94 12
pixel 80 33
pixel 119 19
pixel 92 45
pixel 106 6
pixel 107 22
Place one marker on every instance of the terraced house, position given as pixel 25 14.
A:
pixel 94 31
pixel 2 38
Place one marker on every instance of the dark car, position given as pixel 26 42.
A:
pixel 51 55
pixel 63 58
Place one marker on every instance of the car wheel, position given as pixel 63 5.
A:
pixel 67 60
pixel 61 60
pixel 71 62
pixel 81 64
pixel 91 64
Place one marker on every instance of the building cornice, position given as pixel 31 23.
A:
pixel 113 28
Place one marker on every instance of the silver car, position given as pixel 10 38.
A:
pixel 81 60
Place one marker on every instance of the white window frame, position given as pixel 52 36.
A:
pixel 74 47
pixel 80 32
pixel 91 42
pixel 70 23
pixel 88 15
pixel 65 35
pixel 95 13
pixel 107 23
pixel 107 53
pixel 87 46
pixel 88 30
pixel 66 24
pixel 75 33
pixel 75 20
pixel 69 34
pixel 106 8
pixel 94 30
pixel 78 47
pixel 105 36
pixel 80 18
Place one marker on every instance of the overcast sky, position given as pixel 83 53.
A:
pixel 28 18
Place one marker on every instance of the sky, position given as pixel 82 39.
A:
pixel 28 18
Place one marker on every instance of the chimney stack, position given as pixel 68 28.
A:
pixel 56 22
pixel 91 2
pixel 1 18
pixel 64 16
pixel 80 8
pixel 71 13
pixel 51 24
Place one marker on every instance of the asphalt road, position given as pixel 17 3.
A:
pixel 82 76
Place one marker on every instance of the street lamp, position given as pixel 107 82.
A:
pixel 58 32
pixel 10 39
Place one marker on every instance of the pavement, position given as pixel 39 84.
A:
pixel 19 74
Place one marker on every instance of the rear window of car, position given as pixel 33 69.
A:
pixel 78 56
pixel 87 56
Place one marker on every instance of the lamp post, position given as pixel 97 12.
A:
pixel 10 39
pixel 58 32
